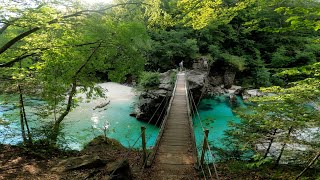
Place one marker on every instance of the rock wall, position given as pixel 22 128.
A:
pixel 197 80
pixel 151 100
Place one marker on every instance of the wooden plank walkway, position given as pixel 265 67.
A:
pixel 175 158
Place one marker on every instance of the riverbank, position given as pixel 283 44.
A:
pixel 40 163
pixel 100 158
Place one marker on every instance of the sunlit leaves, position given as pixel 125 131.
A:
pixel 199 14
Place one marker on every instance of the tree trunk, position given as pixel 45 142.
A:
pixel 270 144
pixel 310 164
pixel 283 146
pixel 56 126
pixel 23 132
pixel 26 121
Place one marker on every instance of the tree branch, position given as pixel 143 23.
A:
pixel 74 85
pixel 6 25
pixel 35 29
pixel 10 63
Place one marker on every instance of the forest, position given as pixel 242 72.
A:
pixel 54 49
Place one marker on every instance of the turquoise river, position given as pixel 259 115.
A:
pixel 85 121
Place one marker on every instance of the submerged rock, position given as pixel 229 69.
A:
pixel 102 105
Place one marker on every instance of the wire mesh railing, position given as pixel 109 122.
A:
pixel 162 126
pixel 207 156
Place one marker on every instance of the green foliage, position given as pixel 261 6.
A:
pixel 258 161
pixel 171 47
pixel 303 58
pixel 70 47
pixel 280 58
pixel 235 61
pixel 173 77
pixel 262 77
pixel 42 136
pixel 149 80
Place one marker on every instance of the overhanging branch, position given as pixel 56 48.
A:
pixel 13 41
pixel 17 59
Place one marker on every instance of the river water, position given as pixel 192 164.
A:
pixel 214 115
pixel 85 122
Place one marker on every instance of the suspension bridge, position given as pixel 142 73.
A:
pixel 175 154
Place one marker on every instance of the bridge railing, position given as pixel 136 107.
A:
pixel 164 103
pixel 164 121
pixel 207 158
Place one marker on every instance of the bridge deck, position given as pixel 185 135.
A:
pixel 175 157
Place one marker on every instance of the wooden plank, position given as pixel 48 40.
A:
pixel 175 157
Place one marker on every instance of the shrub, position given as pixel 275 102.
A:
pixel 280 58
pixel 149 80
pixel 237 62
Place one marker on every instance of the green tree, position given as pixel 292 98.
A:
pixel 64 51
pixel 171 47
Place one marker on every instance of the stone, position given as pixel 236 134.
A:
pixel 235 90
pixel 196 78
pixel 119 169
pixel 151 99
pixel 228 78
pixel 102 105
pixel 81 162
pixel 215 80
pixel 251 93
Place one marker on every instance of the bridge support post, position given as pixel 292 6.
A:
pixel 144 148
pixel 204 146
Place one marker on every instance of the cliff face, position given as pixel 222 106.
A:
pixel 198 82
pixel 151 102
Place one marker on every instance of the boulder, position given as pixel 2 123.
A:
pixel 150 100
pixel 198 84
pixel 166 80
pixel 101 105
pixel 228 78
pixel 92 167
pixel 251 93
pixel 81 162
pixel 196 78
pixel 236 90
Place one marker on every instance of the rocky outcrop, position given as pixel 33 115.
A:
pixel 81 162
pixel 153 99
pixel 228 78
pixel 202 82
pixel 197 81
pixel 251 93
pixel 221 74
pixel 96 161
